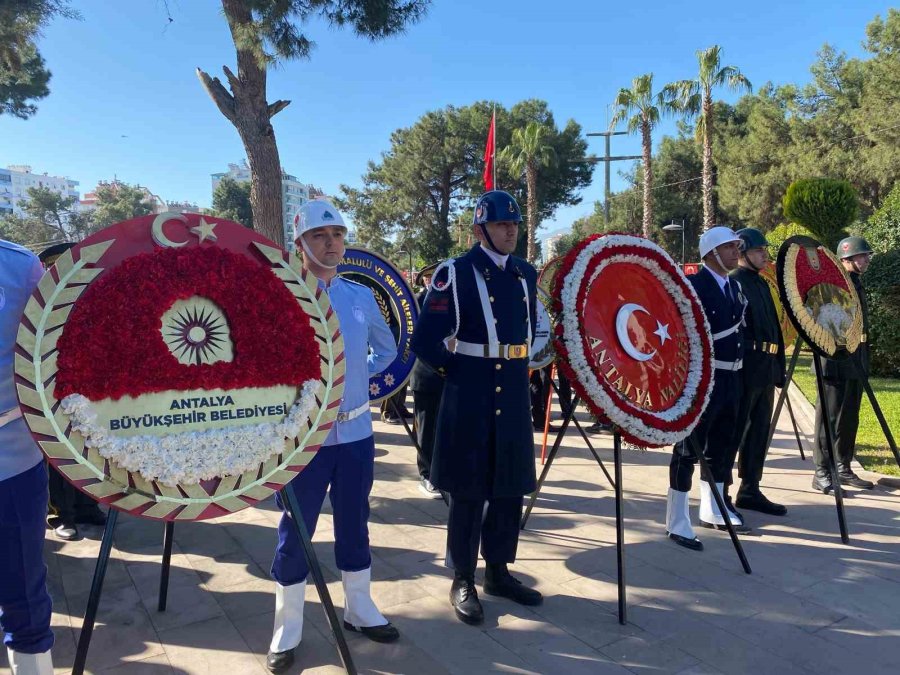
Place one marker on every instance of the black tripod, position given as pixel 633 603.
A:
pixel 90 615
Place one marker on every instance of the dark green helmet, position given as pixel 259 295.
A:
pixel 852 246
pixel 751 238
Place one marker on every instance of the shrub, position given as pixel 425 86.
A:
pixel 882 283
pixel 826 207
pixel 781 234
pixel 882 230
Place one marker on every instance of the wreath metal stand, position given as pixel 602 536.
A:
pixel 289 498
pixel 784 398
pixel 617 487
pixel 412 437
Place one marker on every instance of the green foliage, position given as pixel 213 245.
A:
pixel 48 217
pixel 23 74
pixel 882 230
pixel 231 200
pixel 782 233
pixel 826 207
pixel 120 201
pixel 418 192
pixel 882 283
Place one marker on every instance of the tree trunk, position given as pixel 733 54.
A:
pixel 246 108
pixel 531 185
pixel 648 179
pixel 709 216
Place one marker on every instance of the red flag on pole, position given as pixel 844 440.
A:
pixel 489 149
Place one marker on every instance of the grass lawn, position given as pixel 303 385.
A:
pixel 872 449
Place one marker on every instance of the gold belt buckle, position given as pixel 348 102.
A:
pixel 862 338
pixel 516 351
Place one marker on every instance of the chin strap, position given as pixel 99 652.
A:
pixel 314 258
pixel 747 258
pixel 488 240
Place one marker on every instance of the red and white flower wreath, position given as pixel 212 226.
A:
pixel 637 425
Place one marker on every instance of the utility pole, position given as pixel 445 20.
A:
pixel 607 159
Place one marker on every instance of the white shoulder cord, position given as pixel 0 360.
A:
pixel 451 284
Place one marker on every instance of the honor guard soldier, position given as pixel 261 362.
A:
pixel 25 605
pixel 763 370
pixel 344 465
pixel 427 385
pixel 484 449
pixel 723 303
pixel 844 384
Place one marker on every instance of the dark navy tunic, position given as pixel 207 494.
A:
pixel 485 444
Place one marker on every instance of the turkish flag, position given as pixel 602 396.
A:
pixel 489 148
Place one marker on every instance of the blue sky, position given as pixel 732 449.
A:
pixel 125 100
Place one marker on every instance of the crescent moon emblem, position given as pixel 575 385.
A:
pixel 157 229
pixel 622 317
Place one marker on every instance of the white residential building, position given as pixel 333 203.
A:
pixel 294 194
pixel 16 179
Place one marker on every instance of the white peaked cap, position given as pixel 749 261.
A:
pixel 715 237
pixel 315 214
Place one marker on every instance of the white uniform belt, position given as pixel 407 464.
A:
pixel 728 365
pixel 9 416
pixel 492 351
pixel 728 331
pixel 347 415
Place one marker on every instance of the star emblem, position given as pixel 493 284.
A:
pixel 204 231
pixel 374 389
pixel 662 330
pixel 389 380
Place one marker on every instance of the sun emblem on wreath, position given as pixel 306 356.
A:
pixel 196 332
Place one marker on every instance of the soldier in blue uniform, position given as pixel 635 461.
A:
pixel 25 605
pixel 344 465
pixel 723 304
pixel 484 448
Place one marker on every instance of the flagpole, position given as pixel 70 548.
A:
pixel 494 151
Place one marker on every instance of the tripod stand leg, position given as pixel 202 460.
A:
pixel 412 437
pixel 829 452
pixel 889 437
pixel 90 613
pixel 168 535
pixel 620 528
pixel 784 392
pixel 590 446
pixel 796 430
pixel 290 499
pixel 550 458
pixel 720 503
pixel 547 414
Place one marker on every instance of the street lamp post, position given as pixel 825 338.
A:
pixel 675 227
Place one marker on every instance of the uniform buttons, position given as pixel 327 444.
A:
pixel 498 366
pixel 491 298
pixel 498 389
pixel 495 320
pixel 497 411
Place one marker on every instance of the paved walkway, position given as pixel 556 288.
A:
pixel 812 605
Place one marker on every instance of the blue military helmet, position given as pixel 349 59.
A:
pixel 496 206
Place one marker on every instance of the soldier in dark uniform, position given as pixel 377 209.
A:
pixel 763 370
pixel 723 304
pixel 484 450
pixel 426 385
pixel 844 384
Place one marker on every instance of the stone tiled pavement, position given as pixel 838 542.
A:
pixel 812 605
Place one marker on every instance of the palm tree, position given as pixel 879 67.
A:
pixel 641 110
pixel 528 152
pixel 695 96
